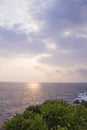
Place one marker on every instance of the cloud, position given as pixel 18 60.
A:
pixel 67 13
pixel 61 18
pixel 16 43
pixel 54 27
pixel 78 71
pixel 67 29
pixel 42 70
pixel 58 71
pixel 16 13
pixel 82 71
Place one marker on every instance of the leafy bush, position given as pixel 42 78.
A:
pixel 84 103
pixel 51 115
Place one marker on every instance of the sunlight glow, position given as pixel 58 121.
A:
pixel 67 33
pixel 35 59
pixel 50 44
pixel 35 88
pixel 34 85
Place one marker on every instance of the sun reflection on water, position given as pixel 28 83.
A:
pixel 35 93
pixel 34 86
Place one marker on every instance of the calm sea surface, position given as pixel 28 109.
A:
pixel 15 97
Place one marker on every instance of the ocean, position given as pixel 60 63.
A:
pixel 15 97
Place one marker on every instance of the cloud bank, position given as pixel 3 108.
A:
pixel 54 28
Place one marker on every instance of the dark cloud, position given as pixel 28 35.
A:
pixel 66 58
pixel 13 42
pixel 10 35
pixel 67 15
pixel 64 14
pixel 82 71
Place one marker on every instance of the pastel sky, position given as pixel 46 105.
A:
pixel 43 40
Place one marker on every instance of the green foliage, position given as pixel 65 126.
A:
pixel 38 123
pixel 84 103
pixel 15 123
pixel 35 109
pixel 51 115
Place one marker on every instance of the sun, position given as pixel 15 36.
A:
pixel 34 85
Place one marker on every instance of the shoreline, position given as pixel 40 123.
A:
pixel 76 102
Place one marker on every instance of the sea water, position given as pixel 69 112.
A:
pixel 15 97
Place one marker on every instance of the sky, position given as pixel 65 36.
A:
pixel 43 40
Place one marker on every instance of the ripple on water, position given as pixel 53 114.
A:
pixel 15 97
